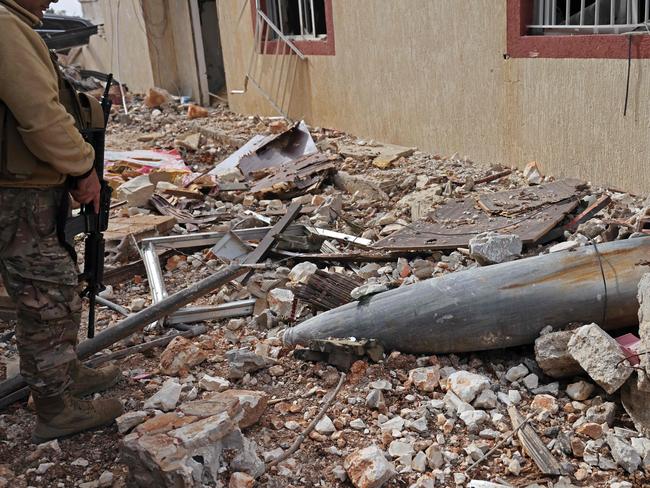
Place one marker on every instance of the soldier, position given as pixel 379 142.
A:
pixel 42 153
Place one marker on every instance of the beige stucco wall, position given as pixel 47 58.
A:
pixel 122 48
pixel 431 73
pixel 145 44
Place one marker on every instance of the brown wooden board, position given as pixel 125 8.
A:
pixel 530 197
pixel 453 224
pixel 295 175
pixel 140 226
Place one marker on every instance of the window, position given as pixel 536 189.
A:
pixel 609 29
pixel 589 16
pixel 299 19
pixel 308 24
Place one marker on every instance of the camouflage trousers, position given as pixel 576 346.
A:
pixel 41 278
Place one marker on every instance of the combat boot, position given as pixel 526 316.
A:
pixel 86 381
pixel 64 415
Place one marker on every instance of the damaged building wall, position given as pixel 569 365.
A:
pixel 121 42
pixel 144 44
pixel 433 75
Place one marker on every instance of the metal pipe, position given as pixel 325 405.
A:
pixel 300 14
pixel 281 35
pixel 138 321
pixel 553 12
pixel 568 12
pixel 597 16
pixel 645 11
pixel 313 19
pixel 582 12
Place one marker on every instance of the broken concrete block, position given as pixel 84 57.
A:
pixel 422 202
pixel 580 390
pixel 241 480
pixel 204 432
pixel 467 385
pixel 281 302
pixel 191 142
pixel 368 468
pixel 242 361
pixel 425 379
pixel 252 403
pixel 516 373
pixel 189 456
pixel 635 401
pixel 127 421
pixel 532 174
pixel 493 248
pixel 166 398
pixel 136 191
pixel 623 453
pixel 553 357
pixel 301 273
pixel 364 186
pixel 180 356
pixel 643 297
pixel 214 383
pixel 368 289
pixel 600 356
pixel 325 426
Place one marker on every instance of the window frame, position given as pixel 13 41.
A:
pixel 309 47
pixel 579 46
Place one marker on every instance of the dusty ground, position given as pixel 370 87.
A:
pixel 319 454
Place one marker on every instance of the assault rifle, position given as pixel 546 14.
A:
pixel 90 222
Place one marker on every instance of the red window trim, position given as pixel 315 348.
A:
pixel 320 47
pixel 521 45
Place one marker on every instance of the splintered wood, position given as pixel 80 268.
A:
pixel 326 291
pixel 295 177
pixel 528 212
pixel 533 445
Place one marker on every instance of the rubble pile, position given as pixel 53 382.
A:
pixel 322 220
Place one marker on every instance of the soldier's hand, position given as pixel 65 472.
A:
pixel 88 190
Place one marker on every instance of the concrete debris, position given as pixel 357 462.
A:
pixel 166 398
pixel 281 302
pixel 467 385
pixel 623 453
pixel 532 174
pixel 600 356
pixel 214 383
pixel 129 420
pixel 493 248
pixel 552 355
pixel 136 191
pixel 180 356
pixel 580 390
pixel 242 361
pixel 368 468
pixel 425 379
pixel 353 219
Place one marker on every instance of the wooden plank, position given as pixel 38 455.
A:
pixel 533 445
pixel 453 224
pixel 294 175
pixel 140 226
pixel 326 291
pixel 528 198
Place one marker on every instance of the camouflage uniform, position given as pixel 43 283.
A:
pixel 41 278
